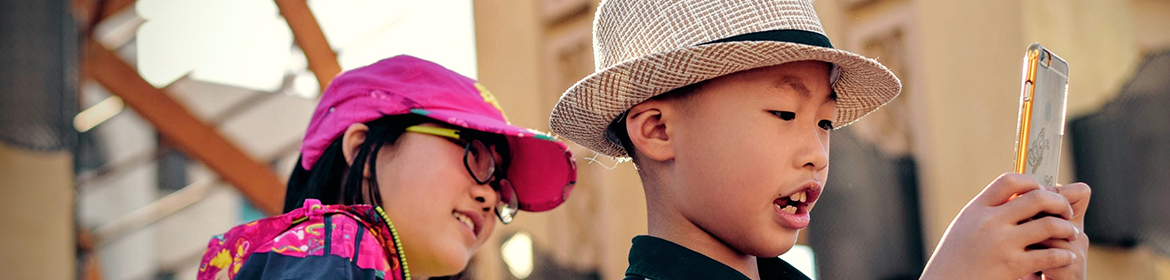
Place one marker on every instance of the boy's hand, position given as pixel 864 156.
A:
pixel 987 240
pixel 1078 195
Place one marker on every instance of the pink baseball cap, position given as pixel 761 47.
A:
pixel 542 170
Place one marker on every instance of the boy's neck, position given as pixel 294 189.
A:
pixel 672 226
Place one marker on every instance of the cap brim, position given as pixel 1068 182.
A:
pixel 586 110
pixel 542 169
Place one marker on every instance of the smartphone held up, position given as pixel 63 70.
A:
pixel 1043 96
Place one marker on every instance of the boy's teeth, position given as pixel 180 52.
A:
pixel 789 209
pixel 798 197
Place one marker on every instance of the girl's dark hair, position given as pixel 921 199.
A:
pixel 333 181
pixel 332 177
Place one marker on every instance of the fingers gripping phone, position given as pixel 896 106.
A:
pixel 1042 114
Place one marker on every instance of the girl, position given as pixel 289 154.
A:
pixel 404 170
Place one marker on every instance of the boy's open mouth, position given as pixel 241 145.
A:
pixel 799 202
pixel 792 203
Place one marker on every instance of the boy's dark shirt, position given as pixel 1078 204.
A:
pixel 659 259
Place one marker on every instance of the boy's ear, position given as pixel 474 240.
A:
pixel 649 131
pixel 352 140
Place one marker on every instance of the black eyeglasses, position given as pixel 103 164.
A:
pixel 482 165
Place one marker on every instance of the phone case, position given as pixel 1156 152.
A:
pixel 1043 105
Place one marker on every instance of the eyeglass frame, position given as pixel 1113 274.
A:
pixel 496 178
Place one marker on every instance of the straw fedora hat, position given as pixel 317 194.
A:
pixel 643 48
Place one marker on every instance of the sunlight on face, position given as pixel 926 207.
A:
pixel 443 215
pixel 753 138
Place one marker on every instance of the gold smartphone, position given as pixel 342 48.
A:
pixel 1043 96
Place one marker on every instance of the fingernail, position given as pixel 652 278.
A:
pixel 1074 255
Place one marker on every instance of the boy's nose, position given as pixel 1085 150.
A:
pixel 813 152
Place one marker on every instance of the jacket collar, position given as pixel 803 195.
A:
pixel 656 258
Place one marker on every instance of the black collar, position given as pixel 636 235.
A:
pixel 659 259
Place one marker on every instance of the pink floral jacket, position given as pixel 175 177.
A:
pixel 313 242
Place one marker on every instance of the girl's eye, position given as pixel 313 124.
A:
pixel 785 115
pixel 826 125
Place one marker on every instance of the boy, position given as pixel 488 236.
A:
pixel 725 108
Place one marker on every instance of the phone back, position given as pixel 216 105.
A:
pixel 1042 114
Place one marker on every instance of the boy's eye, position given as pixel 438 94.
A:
pixel 826 125
pixel 785 115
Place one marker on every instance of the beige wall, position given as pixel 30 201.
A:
pixel 1113 263
pixel 38 240
pixel 970 66
pixel 529 53
pixel 1151 24
pixel 1098 40
pixel 504 34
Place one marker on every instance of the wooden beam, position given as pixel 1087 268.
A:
pixel 86 248
pixel 92 12
pixel 91 268
pixel 114 7
pixel 306 31
pixel 155 211
pixel 83 12
pixel 200 141
pixel 308 35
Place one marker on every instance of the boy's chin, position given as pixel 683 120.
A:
pixel 771 246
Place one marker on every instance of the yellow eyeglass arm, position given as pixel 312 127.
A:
pixel 438 131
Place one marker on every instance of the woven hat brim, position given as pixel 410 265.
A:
pixel 585 111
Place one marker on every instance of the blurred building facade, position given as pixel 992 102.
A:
pixel 899 177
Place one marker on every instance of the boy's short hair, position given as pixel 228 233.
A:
pixel 617 132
